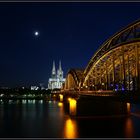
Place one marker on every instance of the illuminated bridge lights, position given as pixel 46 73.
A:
pixel 70 129
pixel 115 66
pixel 72 106
pixel 61 97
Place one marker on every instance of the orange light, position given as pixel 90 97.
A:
pixel 129 129
pixel 60 104
pixel 128 107
pixel 72 103
pixel 61 97
pixel 70 129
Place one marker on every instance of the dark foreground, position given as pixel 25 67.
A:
pixel 51 119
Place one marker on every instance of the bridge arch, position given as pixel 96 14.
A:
pixel 116 65
pixel 74 79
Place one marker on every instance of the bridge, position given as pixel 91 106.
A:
pixel 113 73
pixel 114 67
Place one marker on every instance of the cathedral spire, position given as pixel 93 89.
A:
pixel 57 80
pixel 53 69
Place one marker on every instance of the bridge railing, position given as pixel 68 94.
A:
pixel 91 93
pixel 98 93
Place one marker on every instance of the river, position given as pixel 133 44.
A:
pixel 49 119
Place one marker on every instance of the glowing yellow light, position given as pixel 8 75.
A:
pixel 72 103
pixel 128 107
pixel 60 104
pixel 61 97
pixel 69 99
pixel 70 129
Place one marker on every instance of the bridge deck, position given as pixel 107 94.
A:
pixel 90 93
pixel 130 96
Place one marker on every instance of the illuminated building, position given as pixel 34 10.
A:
pixel 34 88
pixel 56 80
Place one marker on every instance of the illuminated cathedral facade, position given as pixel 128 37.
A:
pixel 56 81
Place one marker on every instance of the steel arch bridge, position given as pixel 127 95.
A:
pixel 74 79
pixel 116 64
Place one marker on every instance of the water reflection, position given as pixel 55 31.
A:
pixel 24 101
pixel 33 101
pixel 70 129
pixel 50 102
pixel 61 109
pixel 50 119
pixel 41 101
pixel 129 129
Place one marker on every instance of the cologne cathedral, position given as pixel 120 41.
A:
pixel 56 80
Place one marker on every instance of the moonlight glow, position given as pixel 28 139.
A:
pixel 36 33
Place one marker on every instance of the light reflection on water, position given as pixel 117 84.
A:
pixel 70 129
pixel 49 119
pixel 24 101
pixel 70 125
pixel 128 123
pixel 41 101
pixel 129 128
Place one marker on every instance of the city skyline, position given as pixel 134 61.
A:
pixel 35 34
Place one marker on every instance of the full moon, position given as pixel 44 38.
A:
pixel 36 33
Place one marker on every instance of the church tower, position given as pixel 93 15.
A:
pixel 60 72
pixel 53 70
pixel 56 80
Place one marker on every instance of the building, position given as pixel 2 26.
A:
pixel 34 87
pixel 56 81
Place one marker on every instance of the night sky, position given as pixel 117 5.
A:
pixel 70 32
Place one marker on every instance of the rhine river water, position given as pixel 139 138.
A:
pixel 49 119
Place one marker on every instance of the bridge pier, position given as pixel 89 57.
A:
pixel 72 106
pixel 96 107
